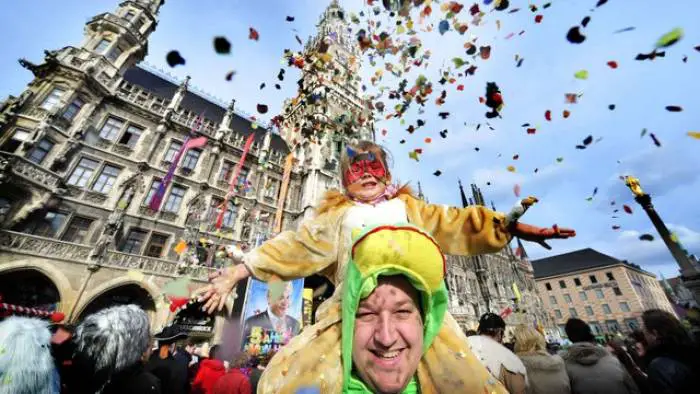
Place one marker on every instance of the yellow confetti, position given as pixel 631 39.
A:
pixel 694 134
pixel 511 168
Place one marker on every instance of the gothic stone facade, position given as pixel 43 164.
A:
pixel 84 148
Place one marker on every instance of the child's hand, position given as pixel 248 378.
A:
pixel 222 282
pixel 540 234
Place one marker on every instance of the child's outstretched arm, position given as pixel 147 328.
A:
pixel 476 229
pixel 460 231
pixel 289 255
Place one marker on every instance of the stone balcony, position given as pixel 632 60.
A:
pixel 87 61
pixel 32 245
pixel 12 165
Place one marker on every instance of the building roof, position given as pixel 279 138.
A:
pixel 164 88
pixel 579 260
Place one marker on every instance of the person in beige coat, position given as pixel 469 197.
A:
pixel 545 373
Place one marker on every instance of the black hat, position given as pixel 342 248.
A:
pixel 491 321
pixel 170 334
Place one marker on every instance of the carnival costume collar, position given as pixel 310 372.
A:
pixel 390 192
pixel 386 250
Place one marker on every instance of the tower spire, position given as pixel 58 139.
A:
pixel 420 192
pixel 465 203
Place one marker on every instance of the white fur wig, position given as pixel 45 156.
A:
pixel 26 364
pixel 112 340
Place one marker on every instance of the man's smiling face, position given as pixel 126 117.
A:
pixel 388 338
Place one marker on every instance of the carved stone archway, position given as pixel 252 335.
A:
pixel 52 274
pixel 122 290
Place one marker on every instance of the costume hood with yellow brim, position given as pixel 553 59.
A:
pixel 387 250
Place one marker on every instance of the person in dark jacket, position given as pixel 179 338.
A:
pixel 109 346
pixel 591 368
pixel 672 357
pixel 172 374
pixel 210 371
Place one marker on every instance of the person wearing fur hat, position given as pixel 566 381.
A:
pixel 26 365
pixel 109 346
pixel 322 246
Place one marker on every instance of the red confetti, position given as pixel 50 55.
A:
pixel 460 87
pixel 419 151
pixel 538 18
pixel 428 140
pixel 384 131
pixel 612 64
pixel 531 130
pixel 565 114
pixel 627 209
pixel 253 34
pixel 548 115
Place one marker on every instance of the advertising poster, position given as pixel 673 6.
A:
pixel 308 296
pixel 271 316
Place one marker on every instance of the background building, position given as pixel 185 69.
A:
pixel 608 293
pixel 480 284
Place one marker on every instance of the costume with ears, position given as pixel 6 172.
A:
pixel 322 246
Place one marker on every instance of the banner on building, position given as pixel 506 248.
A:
pixel 234 181
pixel 272 315
pixel 308 302
pixel 288 164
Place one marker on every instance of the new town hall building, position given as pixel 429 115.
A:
pixel 86 145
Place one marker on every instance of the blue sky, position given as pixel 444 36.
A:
pixel 640 91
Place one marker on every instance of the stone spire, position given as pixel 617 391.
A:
pixel 179 94
pixel 225 125
pixel 420 192
pixel 465 202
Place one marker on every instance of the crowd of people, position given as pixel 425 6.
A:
pixel 662 358
pixel 113 351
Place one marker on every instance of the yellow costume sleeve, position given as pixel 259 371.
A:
pixel 460 231
pixel 297 254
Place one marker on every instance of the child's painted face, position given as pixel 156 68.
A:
pixel 366 177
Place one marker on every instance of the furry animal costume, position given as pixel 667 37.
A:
pixel 26 365
pixel 109 342
pixel 322 246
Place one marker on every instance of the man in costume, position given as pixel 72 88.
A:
pixel 323 245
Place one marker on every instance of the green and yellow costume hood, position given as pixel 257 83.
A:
pixel 387 250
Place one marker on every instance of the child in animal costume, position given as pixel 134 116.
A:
pixel 322 246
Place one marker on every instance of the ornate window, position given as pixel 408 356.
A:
pixel 40 150
pixel 134 241
pixel 18 136
pixel 582 295
pixel 172 204
pixel 172 151
pixel 230 215
pixel 190 161
pixel 567 298
pixel 152 191
pixel 606 309
pixel 82 172
pixel 73 108
pixel 77 230
pixel 599 294
pixel 589 310
pixel 115 53
pixel 48 226
pixel 129 16
pixel 111 128
pixel 102 46
pixel 131 136
pixel 156 245
pixel 624 307
pixel 53 99
pixel 105 181
pixel 225 171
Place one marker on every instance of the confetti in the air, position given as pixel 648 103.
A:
pixel 253 34
pixel 611 107
pixel 574 35
pixel 612 64
pixel 656 140
pixel 230 75
pixel 510 168
pixel 581 74
pixel 548 115
pixel 516 190
pixel 173 58
pixel 262 108
pixel 670 38
pixel 674 108
pixel 694 134
pixel 646 237
pixel 627 209
pixel 290 19
pixel 222 46
pixel 437 173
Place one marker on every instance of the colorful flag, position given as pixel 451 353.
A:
pixel 516 291
pixel 160 193
pixel 232 184
pixel 289 162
